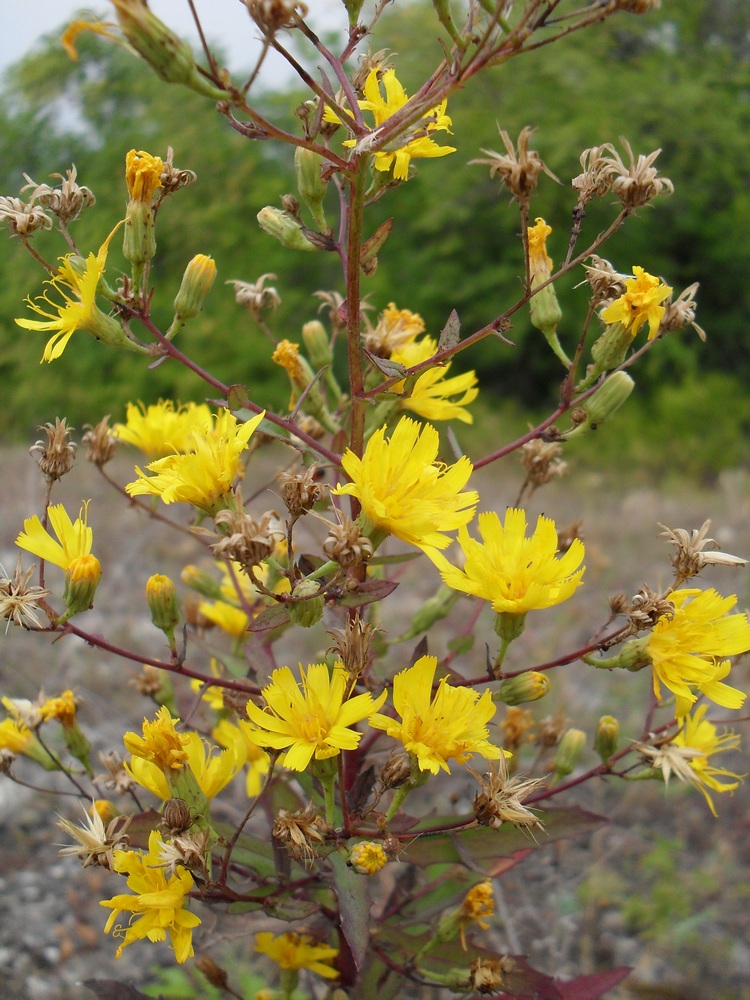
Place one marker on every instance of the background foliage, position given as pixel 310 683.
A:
pixel 679 79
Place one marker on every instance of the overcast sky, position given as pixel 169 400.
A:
pixel 224 21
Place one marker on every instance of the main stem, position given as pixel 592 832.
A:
pixel 353 296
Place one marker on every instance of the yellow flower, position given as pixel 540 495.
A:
pixel 640 303
pixel 452 725
pixel 515 573
pixel 143 175
pixel 404 490
pixel 430 394
pixel 213 695
pixel 159 904
pixel 297 951
pixel 161 743
pixel 14 736
pixel 367 858
pixel 75 538
pixel 258 761
pixel 78 309
pixel 286 356
pixel 213 771
pixel 700 736
pixel 395 329
pixel 62 708
pixel 203 476
pixel 311 719
pixel 230 619
pixel 478 903
pixel 414 143
pixel 539 260
pixel 686 648
pixel 164 427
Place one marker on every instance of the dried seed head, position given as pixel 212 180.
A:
pixel 255 296
pixel 619 604
pixel 176 817
pixel 647 607
pixel 300 491
pixel 351 645
pixel 637 182
pixel 19 603
pixel 395 328
pixel 346 544
pixel 550 729
pixel 681 312
pixel 23 218
pixel 606 283
pixel 690 557
pixel 100 442
pixel 56 455
pixel 300 832
pixel 94 844
pixel 542 462
pixel 500 798
pixel 486 976
pixel 396 770
pixel 66 201
pixel 246 540
pixel 518 170
pixel 116 779
pixel 596 179
pixel 273 15
pixel 172 178
pixel 187 850
pixel 368 62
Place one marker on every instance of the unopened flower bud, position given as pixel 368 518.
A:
pixel 196 284
pixel 284 228
pixel 309 611
pixel 605 741
pixel 310 183
pixel 162 603
pixel 569 752
pixel 545 312
pixel 200 581
pixel 432 610
pixel 317 344
pixel 609 350
pixel 81 580
pixel 632 655
pixel 367 858
pixel 526 687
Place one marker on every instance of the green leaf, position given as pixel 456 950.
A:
pixel 352 893
pixel 270 618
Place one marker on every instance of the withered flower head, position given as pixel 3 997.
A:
pixel 486 975
pixel 66 201
pixel 187 850
pixel 176 816
pixel 172 178
pixel 351 645
pixel 300 491
pixel 550 729
pixel 215 974
pixel 500 798
pixel 246 540
pixel 255 296
pixel 149 682
pixel 19 603
pixel 647 607
pixel 94 844
pixel 518 170
pixel 395 328
pixel 56 455
pixel 346 544
pixel 542 462
pixel 117 778
pixel 23 218
pixel 606 283
pixel 690 557
pixel 596 179
pixel 299 832
pixel 100 442
pixel 681 312
pixel 273 15
pixel 368 62
pixel 516 727
pixel 638 182
pixel 638 6
pixel 396 770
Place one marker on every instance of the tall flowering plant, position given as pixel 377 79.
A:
pixel 336 828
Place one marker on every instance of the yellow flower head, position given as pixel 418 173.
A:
pixel 158 904
pixel 395 329
pixel 62 708
pixel 431 393
pixel 701 737
pixel 74 538
pixel 203 476
pixel 213 771
pixel 143 175
pixel 164 427
pixel 367 858
pixel 310 719
pixel 297 951
pixel 515 573
pixel 227 734
pixel 78 309
pixel 640 303
pixel 687 648
pixel 14 736
pixel 539 260
pixel 415 142
pixel 161 743
pixel 477 905
pixel 404 490
pixel 286 356
pixel 451 725
pixel 229 618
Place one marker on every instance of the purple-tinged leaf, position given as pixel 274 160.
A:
pixel 270 618
pixel 592 987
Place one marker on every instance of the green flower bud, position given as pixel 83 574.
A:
pixel 432 610
pixel 202 582
pixel 569 752
pixel 139 241
pixel 306 613
pixel 604 402
pixel 605 741
pixel 633 656
pixel 81 580
pixel 609 350
pixel 77 744
pixel 162 603
pixel 317 344
pixel 310 183
pixel 284 228
pixel 524 688
pixel 196 284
